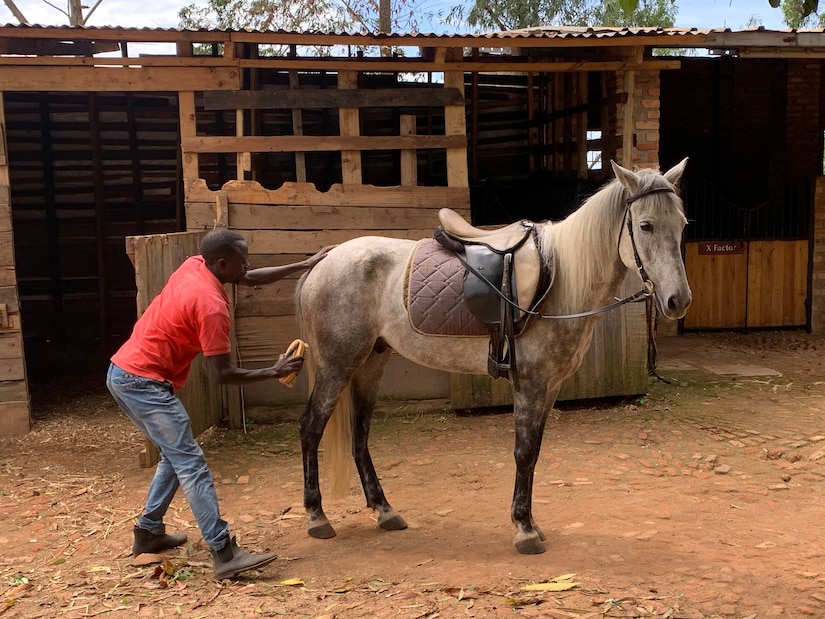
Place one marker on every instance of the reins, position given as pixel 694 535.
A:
pixel 648 287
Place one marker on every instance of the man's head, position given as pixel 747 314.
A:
pixel 225 253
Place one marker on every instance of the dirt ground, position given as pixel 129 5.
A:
pixel 701 499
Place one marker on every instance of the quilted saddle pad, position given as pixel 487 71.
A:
pixel 435 293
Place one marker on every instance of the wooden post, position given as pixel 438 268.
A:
pixel 455 123
pixel 349 121
pixel 298 129
pixel 15 410
pixel 628 120
pixel 409 158
pixel 188 129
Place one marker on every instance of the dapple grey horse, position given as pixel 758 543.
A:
pixel 352 310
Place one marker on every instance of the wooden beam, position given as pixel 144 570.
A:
pixel 297 129
pixel 409 158
pixel 455 123
pixel 188 131
pixel 512 64
pixel 307 143
pixel 311 99
pixel 628 120
pixel 75 79
pixel 306 194
pixel 350 125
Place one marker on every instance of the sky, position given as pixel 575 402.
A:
pixel 733 14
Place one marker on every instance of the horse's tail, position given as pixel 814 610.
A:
pixel 336 444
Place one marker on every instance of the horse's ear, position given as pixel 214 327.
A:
pixel 627 178
pixel 674 174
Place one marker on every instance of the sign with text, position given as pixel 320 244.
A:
pixel 716 248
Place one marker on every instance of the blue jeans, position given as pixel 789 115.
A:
pixel 153 407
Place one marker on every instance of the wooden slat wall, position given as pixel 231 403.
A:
pixel 719 286
pixel 764 286
pixel 15 410
pixel 615 363
pixel 777 283
pixel 155 258
pixel 290 223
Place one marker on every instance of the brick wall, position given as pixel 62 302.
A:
pixel 645 102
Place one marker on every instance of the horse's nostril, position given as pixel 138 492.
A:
pixel 672 303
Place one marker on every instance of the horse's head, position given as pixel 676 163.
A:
pixel 650 241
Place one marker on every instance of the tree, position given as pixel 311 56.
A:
pixel 794 15
pixel 304 15
pixel 795 12
pixel 74 12
pixel 516 14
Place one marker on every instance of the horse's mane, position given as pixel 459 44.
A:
pixel 585 243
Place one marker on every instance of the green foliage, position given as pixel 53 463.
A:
pixel 801 14
pixel 646 13
pixel 516 14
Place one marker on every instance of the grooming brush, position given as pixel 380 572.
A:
pixel 296 348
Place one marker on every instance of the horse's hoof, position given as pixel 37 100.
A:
pixel 321 530
pixel 391 521
pixel 529 544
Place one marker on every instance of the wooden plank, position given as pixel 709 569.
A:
pixel 306 194
pixel 777 283
pixel 614 365
pixel 298 129
pixel 291 241
pixel 328 143
pixel 13 391
pixel 188 130
pixel 315 99
pixel 5 209
pixel 455 124
pixel 11 345
pixel 719 284
pixel 15 419
pixel 263 338
pixel 12 369
pixel 155 258
pixel 142 79
pixel 628 122
pixel 409 158
pixel 6 249
pixel 350 125
pixel 8 297
pixel 286 217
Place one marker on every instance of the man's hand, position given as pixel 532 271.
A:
pixel 315 259
pixel 287 365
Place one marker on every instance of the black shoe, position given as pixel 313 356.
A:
pixel 232 560
pixel 146 541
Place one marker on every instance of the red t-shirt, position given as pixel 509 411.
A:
pixel 190 315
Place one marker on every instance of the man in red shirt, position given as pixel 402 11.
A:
pixel 191 314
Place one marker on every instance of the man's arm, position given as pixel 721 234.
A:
pixel 227 374
pixel 267 275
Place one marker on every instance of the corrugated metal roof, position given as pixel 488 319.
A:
pixel 681 37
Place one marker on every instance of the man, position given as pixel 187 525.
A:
pixel 190 315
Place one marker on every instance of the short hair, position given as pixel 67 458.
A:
pixel 220 243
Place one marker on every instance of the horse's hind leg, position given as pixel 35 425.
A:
pixel 312 420
pixel 365 394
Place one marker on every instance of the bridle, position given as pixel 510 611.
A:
pixel 648 287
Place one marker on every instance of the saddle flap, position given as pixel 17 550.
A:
pixel 482 301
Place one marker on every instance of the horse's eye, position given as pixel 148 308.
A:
pixel 646 226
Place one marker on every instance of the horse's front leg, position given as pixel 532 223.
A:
pixel 312 421
pixel 530 409
pixel 365 395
